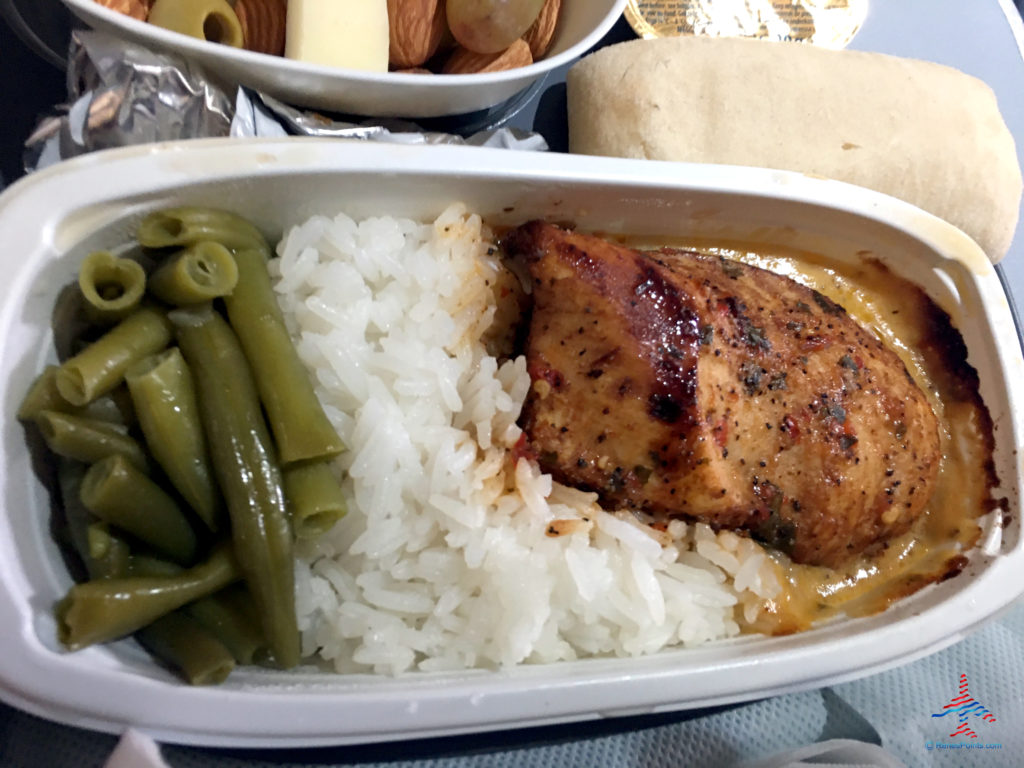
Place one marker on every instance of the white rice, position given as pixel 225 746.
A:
pixel 444 560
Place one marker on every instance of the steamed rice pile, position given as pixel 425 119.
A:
pixel 456 554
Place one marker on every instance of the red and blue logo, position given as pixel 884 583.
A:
pixel 965 706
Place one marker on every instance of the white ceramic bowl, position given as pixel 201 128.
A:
pixel 50 220
pixel 582 24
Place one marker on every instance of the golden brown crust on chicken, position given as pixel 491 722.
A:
pixel 684 384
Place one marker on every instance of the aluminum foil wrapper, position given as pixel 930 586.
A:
pixel 122 94
pixel 257 114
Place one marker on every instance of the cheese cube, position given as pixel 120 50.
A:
pixel 338 33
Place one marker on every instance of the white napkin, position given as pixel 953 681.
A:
pixel 136 750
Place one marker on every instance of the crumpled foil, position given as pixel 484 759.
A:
pixel 122 94
pixel 258 114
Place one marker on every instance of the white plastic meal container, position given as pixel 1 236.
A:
pixel 581 25
pixel 50 220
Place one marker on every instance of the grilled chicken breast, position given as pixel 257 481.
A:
pixel 689 385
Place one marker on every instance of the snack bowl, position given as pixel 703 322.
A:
pixel 50 220
pixel 357 92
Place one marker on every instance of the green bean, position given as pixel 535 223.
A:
pixel 103 553
pixel 43 396
pixel 230 614
pixel 175 227
pixel 88 440
pixel 78 518
pixel 107 609
pixel 199 273
pixel 144 565
pixel 108 408
pixel 231 617
pixel 140 564
pixel 212 20
pixel 314 498
pixel 247 471
pixel 300 426
pixel 118 493
pixel 185 645
pixel 107 554
pixel 120 409
pixel 163 392
pixel 100 367
pixel 69 322
pixel 112 287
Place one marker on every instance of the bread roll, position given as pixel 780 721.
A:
pixel 919 131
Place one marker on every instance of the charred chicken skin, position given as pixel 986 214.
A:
pixel 688 385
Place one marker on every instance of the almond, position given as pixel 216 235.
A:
pixel 542 31
pixel 466 62
pixel 416 27
pixel 263 24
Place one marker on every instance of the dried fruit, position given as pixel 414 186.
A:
pixel 490 26
pixel 466 62
pixel 416 30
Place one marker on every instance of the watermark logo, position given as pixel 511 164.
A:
pixel 965 707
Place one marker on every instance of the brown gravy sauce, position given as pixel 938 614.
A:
pixel 911 324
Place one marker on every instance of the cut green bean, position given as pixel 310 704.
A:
pixel 112 287
pixel 230 614
pixel 192 665
pixel 247 471
pixel 301 429
pixel 163 392
pixel 118 493
pixel 69 321
pixel 199 273
pixel 77 518
pixel 100 367
pixel 231 617
pixel 69 483
pixel 120 401
pixel 150 565
pixel 107 609
pixel 107 553
pixel 43 396
pixel 242 638
pixel 88 440
pixel 184 226
pixel 103 553
pixel 314 497
pixel 185 645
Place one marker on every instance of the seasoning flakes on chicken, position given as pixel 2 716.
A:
pixel 689 385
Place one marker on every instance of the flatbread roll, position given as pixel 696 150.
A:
pixel 919 131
